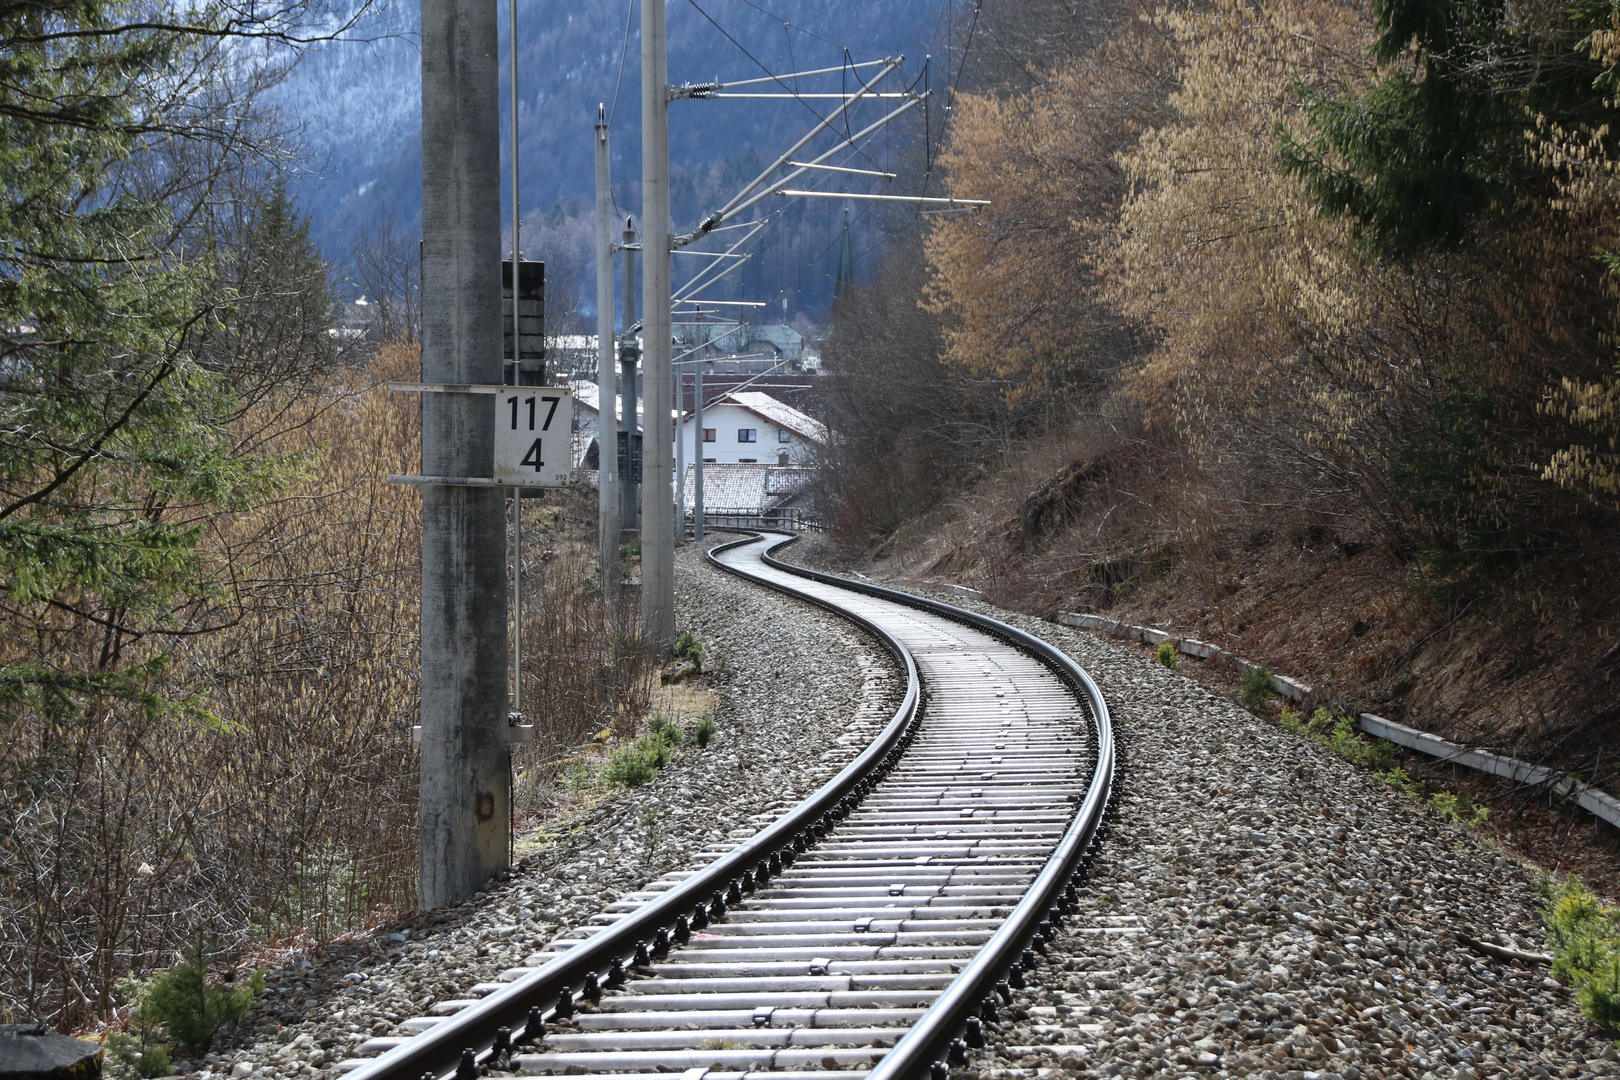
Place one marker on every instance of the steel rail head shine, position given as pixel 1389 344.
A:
pixel 928 1047
pixel 521 1011
pixel 439 1050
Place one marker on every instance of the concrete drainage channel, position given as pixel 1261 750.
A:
pixel 870 931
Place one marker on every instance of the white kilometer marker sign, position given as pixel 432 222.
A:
pixel 533 436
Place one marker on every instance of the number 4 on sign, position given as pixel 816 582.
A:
pixel 533 437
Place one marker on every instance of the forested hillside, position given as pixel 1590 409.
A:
pixel 356 103
pixel 209 606
pixel 1291 325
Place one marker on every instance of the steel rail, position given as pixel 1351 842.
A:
pixel 522 1009
pixel 947 1028
pixel 944 1033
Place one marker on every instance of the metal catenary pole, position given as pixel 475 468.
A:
pixel 680 455
pixel 657 525
pixel 697 456
pixel 607 443
pixel 466 756
pixel 517 373
pixel 629 354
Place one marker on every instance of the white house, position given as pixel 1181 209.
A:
pixel 749 428
pixel 768 447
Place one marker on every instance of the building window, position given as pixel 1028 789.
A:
pixel 747 434
pixel 710 461
pixel 708 434
pixel 747 461
pixel 782 458
pixel 782 435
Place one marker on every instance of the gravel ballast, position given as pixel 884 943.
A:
pixel 1275 911
pixel 799 686
pixel 1261 908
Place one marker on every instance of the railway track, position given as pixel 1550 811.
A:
pixel 870 931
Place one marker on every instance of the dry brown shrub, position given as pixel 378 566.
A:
pixel 1587 174
pixel 584 668
pixel 906 423
pixel 319 677
pixel 289 814
pixel 1397 402
pixel 1221 254
pixel 133 832
pixel 1016 281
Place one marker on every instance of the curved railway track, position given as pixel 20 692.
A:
pixel 869 931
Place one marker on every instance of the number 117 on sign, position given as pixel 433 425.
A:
pixel 534 441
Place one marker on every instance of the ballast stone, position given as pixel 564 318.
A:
pixel 776 669
pixel 1310 935
pixel 32 1052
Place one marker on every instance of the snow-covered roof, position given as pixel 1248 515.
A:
pixel 787 479
pixel 737 488
pixel 780 413
pixel 745 488
pixel 587 396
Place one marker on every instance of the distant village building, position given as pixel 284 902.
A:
pixel 759 456
pixel 778 400
pixel 759 453
pixel 753 428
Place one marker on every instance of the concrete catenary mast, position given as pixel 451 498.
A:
pixel 465 786
pixel 607 446
pixel 657 506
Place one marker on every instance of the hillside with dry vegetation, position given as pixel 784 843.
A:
pixel 261 793
pixel 1292 326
